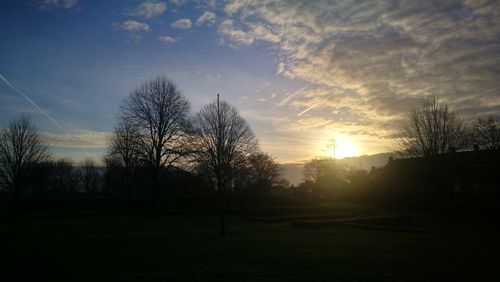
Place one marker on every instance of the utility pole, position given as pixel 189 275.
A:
pixel 220 171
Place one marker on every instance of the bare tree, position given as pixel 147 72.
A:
pixel 264 171
pixel 159 112
pixel 63 179
pixel 89 174
pixel 322 171
pixel 486 133
pixel 20 147
pixel 222 141
pixel 126 144
pixel 124 155
pixel 431 129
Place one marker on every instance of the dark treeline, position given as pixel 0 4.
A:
pixel 160 149
pixel 157 148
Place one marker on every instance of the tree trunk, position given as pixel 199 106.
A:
pixel 155 194
pixel 222 205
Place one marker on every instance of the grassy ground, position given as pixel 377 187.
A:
pixel 128 248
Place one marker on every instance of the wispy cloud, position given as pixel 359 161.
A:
pixel 51 5
pixel 79 139
pixel 207 18
pixel 148 9
pixel 167 39
pixel 178 2
pixel 233 34
pixel 182 24
pixel 134 26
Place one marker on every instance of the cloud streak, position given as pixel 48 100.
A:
pixel 50 5
pixel 79 139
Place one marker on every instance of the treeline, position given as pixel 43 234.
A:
pixel 158 147
pixel 431 128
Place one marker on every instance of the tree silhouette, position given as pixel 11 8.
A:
pixel 322 171
pixel 63 178
pixel 486 132
pixel 20 147
pixel 431 129
pixel 89 174
pixel 123 158
pixel 159 112
pixel 263 170
pixel 222 141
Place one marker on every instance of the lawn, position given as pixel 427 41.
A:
pixel 189 248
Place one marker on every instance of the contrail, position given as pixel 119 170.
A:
pixel 307 110
pixel 38 108
pixel 297 92
pixel 33 103
pixel 289 97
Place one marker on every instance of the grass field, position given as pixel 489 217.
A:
pixel 189 248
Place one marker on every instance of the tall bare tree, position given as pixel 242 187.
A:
pixel 431 129
pixel 222 141
pixel 20 147
pixel 486 133
pixel 159 112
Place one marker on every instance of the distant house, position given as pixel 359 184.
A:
pixel 458 179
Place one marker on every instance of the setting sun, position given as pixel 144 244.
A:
pixel 340 148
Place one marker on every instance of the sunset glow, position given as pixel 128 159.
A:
pixel 340 149
pixel 299 72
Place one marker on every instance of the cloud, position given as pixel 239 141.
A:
pixel 311 122
pixel 50 5
pixel 228 31
pixel 368 62
pixel 182 24
pixel 134 26
pixel 206 18
pixel 148 9
pixel 178 2
pixel 79 139
pixel 167 39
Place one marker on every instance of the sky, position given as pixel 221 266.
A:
pixel 300 72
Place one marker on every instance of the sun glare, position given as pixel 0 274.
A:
pixel 340 148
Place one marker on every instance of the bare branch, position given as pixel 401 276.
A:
pixel 20 147
pixel 431 129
